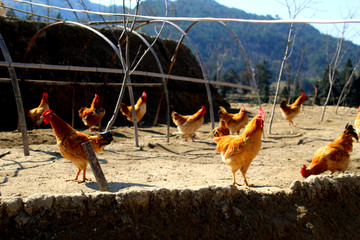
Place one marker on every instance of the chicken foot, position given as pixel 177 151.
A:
pixel 245 182
pixel 77 176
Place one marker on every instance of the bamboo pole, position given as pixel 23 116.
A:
pixel 173 58
pixel 164 85
pixel 120 71
pixel 128 80
pixel 63 83
pixel 251 70
pixel 18 99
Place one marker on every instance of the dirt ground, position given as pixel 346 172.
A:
pixel 175 164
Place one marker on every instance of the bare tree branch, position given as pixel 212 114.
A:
pixel 333 64
pixel 155 40
pixel 346 87
pixel 289 47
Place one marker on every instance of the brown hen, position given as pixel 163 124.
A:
pixel 239 151
pixel 69 142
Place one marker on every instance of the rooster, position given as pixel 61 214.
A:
pixel 357 122
pixel 92 116
pixel 239 151
pixel 222 130
pixel 189 124
pixel 235 122
pixel 334 156
pixel 35 113
pixel 140 109
pixel 69 142
pixel 289 112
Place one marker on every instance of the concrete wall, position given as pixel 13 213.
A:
pixel 318 208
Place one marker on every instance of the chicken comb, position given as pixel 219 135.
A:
pixel 303 95
pixel 303 171
pixel 46 112
pixel 45 95
pixel 243 108
pixel 144 95
pixel 261 113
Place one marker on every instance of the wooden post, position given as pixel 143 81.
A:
pixel 17 93
pixel 95 166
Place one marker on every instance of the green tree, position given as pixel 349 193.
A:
pixel 263 77
pixel 245 78
pixel 284 93
pixel 350 85
pixel 345 73
pixel 297 90
pixel 58 16
pixel 231 77
pixel 10 13
pixel 324 85
pixel 353 96
pixel 29 16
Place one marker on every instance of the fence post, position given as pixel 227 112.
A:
pixel 17 93
pixel 95 166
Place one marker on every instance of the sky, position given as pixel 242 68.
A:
pixel 312 9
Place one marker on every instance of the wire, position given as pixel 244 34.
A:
pixel 202 19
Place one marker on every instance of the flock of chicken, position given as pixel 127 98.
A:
pixel 236 150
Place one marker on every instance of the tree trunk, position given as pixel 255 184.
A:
pixel 326 102
pixel 280 75
pixel 333 64
pixel 316 89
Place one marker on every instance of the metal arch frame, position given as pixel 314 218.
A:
pixel 163 79
pixel 173 58
pixel 197 53
pixel 252 73
pixel 243 53
pixel 117 52
pixel 154 54
pixel 33 39
pixel 17 94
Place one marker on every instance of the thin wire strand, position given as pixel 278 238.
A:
pixel 202 19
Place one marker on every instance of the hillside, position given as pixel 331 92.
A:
pixel 262 42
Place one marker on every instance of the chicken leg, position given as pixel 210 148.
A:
pixel 243 172
pixel 77 176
